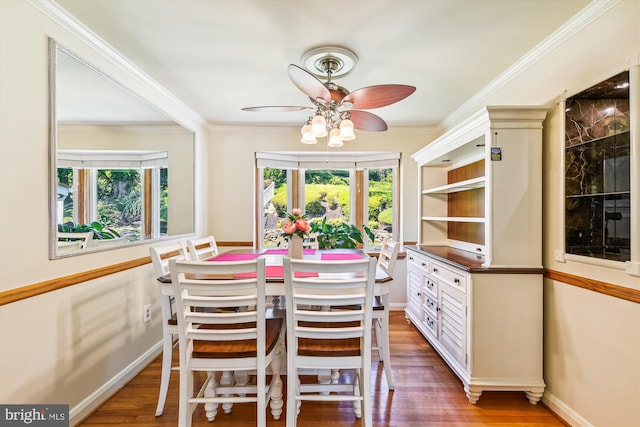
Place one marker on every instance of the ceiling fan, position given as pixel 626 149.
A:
pixel 337 111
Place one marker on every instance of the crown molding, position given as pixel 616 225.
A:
pixel 184 115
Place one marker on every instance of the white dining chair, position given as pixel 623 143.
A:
pixel 384 274
pixel 202 248
pixel 214 339
pixel 160 256
pixel 321 339
pixel 73 241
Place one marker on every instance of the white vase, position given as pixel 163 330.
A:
pixel 295 247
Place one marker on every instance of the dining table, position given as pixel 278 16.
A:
pixel 274 257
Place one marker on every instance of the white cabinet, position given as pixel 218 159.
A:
pixel 474 281
pixel 487 325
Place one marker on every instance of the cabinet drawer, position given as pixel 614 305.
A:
pixel 430 287
pixel 419 261
pixel 453 277
pixel 430 305
pixel 430 322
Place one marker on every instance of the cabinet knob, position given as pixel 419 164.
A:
pixel 424 264
pixel 438 309
pixel 418 294
pixel 435 270
pixel 456 280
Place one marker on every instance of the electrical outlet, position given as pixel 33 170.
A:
pixel 146 316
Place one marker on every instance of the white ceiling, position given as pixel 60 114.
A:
pixel 218 56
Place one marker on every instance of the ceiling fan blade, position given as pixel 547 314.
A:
pixel 308 83
pixel 364 120
pixel 378 96
pixel 277 108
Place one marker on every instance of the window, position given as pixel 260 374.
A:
pixel 354 188
pixel 597 171
pixel 128 195
pixel 380 186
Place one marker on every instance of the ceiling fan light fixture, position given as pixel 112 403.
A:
pixel 346 130
pixel 308 138
pixel 319 126
pixel 334 138
pixel 337 109
pixel 307 134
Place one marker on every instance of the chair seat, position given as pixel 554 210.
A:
pixel 329 348
pixel 377 305
pixel 239 348
pixel 174 320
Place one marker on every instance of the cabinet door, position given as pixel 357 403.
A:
pixel 414 289
pixel 453 322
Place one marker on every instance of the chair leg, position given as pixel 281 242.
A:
pixel 211 408
pixel 185 408
pixel 367 400
pixel 383 325
pixel 226 380
pixel 167 349
pixel 292 391
pixel 276 402
pixel 357 391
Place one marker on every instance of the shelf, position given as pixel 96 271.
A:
pixel 613 193
pixel 469 184
pixel 453 219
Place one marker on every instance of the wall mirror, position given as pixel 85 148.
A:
pixel 121 171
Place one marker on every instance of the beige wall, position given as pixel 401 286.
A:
pixel 75 345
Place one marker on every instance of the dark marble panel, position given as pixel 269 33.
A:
pixel 597 171
pixel 599 111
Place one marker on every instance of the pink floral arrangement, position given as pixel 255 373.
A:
pixel 295 224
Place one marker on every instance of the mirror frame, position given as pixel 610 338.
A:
pixel 54 48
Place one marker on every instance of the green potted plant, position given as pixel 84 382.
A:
pixel 338 234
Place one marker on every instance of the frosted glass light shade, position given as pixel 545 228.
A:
pixel 334 138
pixel 308 138
pixel 319 126
pixel 346 130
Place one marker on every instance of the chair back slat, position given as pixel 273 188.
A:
pixel 388 256
pixel 202 248
pixel 160 256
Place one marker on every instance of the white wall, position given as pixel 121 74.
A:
pixel 73 345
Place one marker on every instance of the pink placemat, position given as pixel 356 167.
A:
pixel 234 257
pixel 275 271
pixel 341 257
pixel 286 252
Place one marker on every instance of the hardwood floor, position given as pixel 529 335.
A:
pixel 427 393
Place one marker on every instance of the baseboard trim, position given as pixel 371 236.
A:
pixel 568 415
pixel 81 411
pixel 397 306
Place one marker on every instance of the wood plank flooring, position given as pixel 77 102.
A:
pixel 427 393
